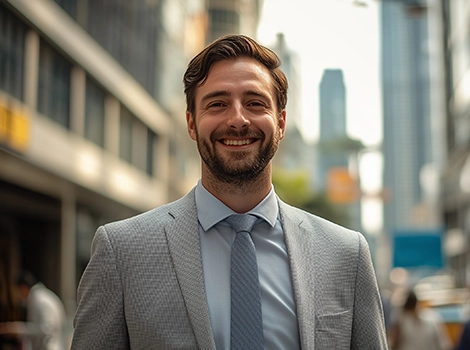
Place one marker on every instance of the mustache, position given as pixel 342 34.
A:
pixel 217 135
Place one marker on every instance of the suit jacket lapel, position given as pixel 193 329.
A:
pixel 185 250
pixel 301 259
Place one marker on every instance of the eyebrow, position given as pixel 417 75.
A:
pixel 256 93
pixel 213 94
pixel 219 93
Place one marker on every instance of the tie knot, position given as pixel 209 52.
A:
pixel 242 222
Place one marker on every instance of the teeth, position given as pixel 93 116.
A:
pixel 236 142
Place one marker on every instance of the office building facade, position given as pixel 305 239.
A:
pixel 407 118
pixel 456 174
pixel 92 125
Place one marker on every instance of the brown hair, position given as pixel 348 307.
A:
pixel 231 47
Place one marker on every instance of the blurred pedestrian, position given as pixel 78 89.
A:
pixel 162 279
pixel 43 328
pixel 418 329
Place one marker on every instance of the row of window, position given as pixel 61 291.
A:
pixel 12 35
pixel 136 140
pixel 128 30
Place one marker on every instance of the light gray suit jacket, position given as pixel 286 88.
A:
pixel 144 289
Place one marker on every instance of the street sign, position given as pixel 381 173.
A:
pixel 342 188
pixel 418 248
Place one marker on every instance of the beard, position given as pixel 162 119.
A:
pixel 241 167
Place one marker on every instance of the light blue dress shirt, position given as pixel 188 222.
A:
pixel 277 296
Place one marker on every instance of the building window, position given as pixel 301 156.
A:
pixel 69 6
pixel 94 112
pixel 125 134
pixel 151 142
pixel 12 37
pixel 129 31
pixel 136 142
pixel 223 21
pixel 54 85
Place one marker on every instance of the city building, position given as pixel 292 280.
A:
pixel 456 175
pixel 411 111
pixel 332 126
pixel 338 154
pixel 233 17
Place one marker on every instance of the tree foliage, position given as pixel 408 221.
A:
pixel 294 188
pixel 343 144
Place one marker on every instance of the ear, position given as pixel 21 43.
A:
pixel 282 124
pixel 191 126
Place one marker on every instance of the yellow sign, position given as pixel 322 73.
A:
pixel 342 188
pixel 14 127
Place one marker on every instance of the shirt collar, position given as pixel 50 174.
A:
pixel 211 210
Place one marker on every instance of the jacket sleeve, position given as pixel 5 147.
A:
pixel 368 321
pixel 99 321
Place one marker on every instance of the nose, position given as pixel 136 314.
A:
pixel 237 119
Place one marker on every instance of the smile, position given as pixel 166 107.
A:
pixel 237 142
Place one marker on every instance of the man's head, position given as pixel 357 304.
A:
pixel 231 47
pixel 25 282
pixel 236 97
pixel 411 301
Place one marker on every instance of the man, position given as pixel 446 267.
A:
pixel 162 279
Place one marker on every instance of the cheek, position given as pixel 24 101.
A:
pixel 207 126
pixel 271 127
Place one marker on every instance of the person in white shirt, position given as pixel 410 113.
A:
pixel 45 315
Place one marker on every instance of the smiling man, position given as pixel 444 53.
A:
pixel 230 266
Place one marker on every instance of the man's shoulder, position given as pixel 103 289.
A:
pixel 182 208
pixel 310 220
pixel 319 229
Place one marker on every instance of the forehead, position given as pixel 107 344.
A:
pixel 236 75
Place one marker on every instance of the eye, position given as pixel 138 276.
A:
pixel 255 104
pixel 215 104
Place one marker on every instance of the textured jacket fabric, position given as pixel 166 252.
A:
pixel 144 288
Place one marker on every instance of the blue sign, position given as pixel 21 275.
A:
pixel 418 248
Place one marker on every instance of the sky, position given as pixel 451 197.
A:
pixel 341 35
pixel 332 34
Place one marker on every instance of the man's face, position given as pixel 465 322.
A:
pixel 236 126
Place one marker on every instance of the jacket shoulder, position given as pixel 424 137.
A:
pixel 323 232
pixel 311 221
pixel 156 218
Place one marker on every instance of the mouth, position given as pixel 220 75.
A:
pixel 237 142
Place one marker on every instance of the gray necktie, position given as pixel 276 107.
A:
pixel 246 316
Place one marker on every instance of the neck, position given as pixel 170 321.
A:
pixel 241 198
